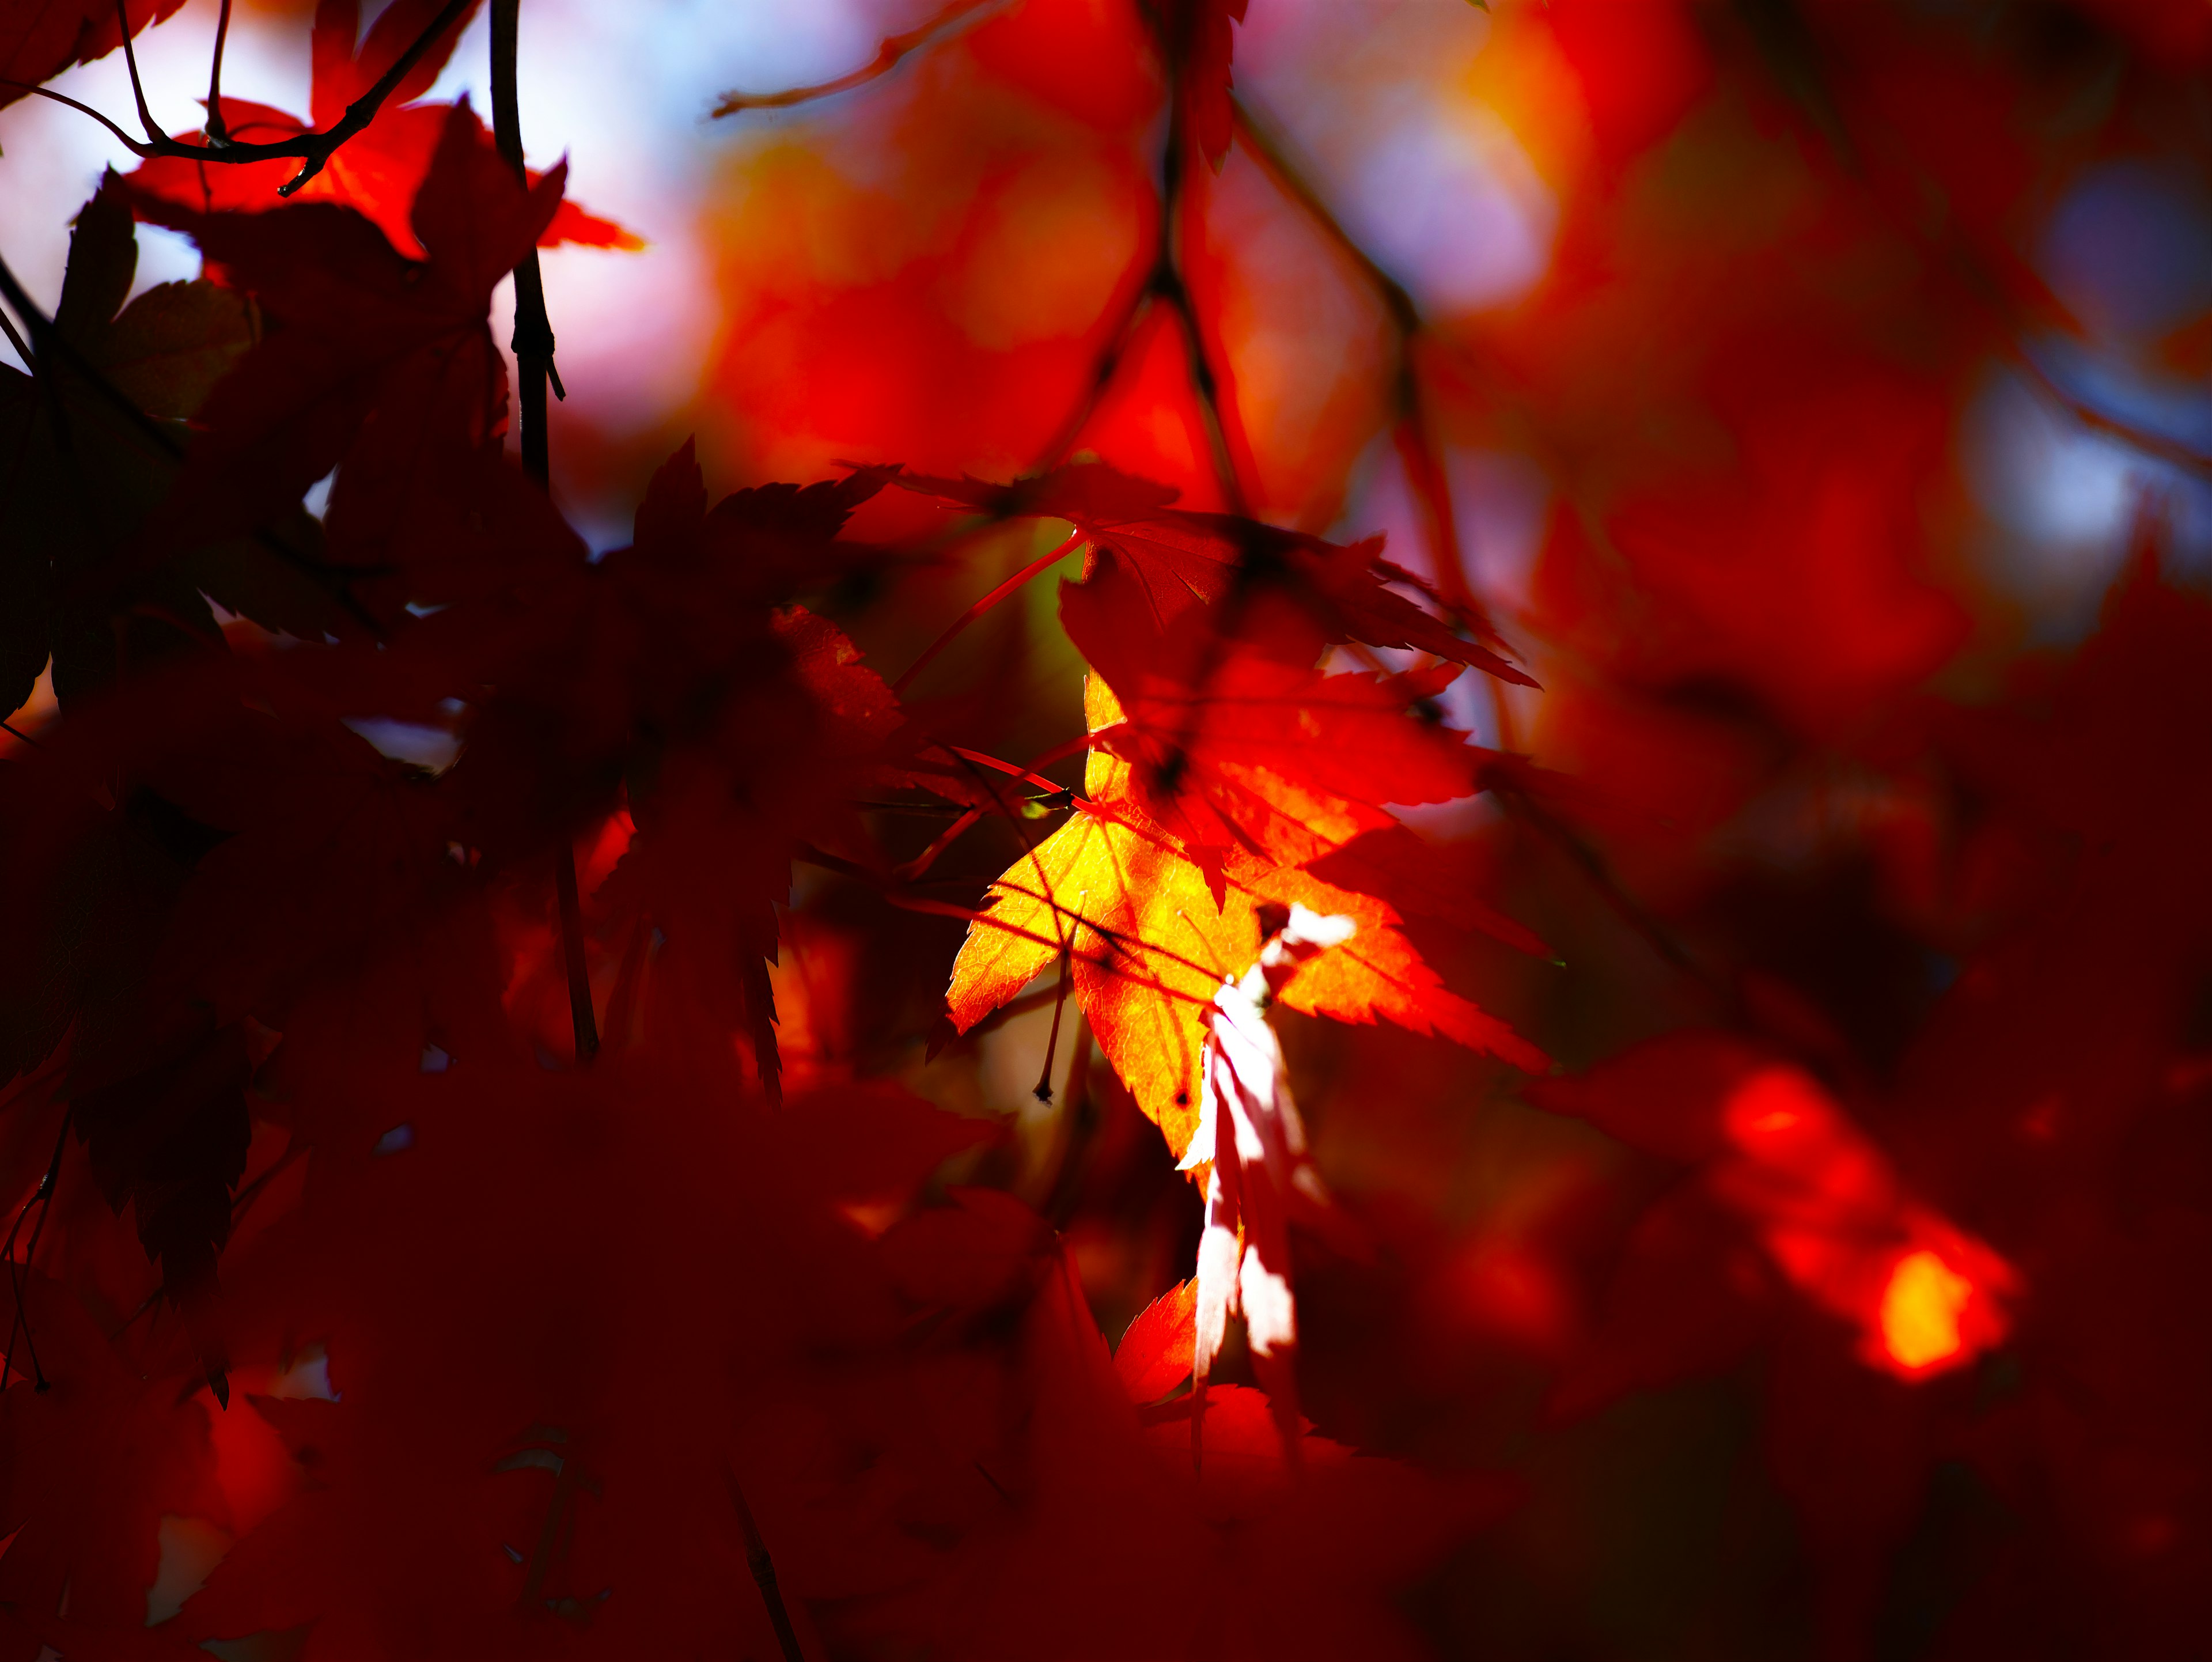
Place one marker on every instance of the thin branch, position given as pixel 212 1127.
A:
pixel 216 131
pixel 1586 859
pixel 1103 369
pixel 43 1197
pixel 763 1570
pixel 533 367
pixel 312 150
pixel 1168 282
pixel 888 55
pixel 570 903
pixel 1414 433
pixel 23 347
pixel 2159 445
pixel 532 343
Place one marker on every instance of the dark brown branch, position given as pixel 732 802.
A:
pixel 533 367
pixel 581 1016
pixel 1416 437
pixel 216 131
pixel 534 330
pixel 312 150
pixel 763 1570
pixel 1103 369
pixel 1167 284
pixel 23 347
pixel 43 1198
pixel 888 55
pixel 1519 805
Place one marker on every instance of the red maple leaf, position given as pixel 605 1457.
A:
pixel 378 170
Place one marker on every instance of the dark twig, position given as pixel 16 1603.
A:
pixel 533 367
pixel 23 347
pixel 533 329
pixel 1592 866
pixel 137 87
pixel 43 1198
pixel 312 151
pixel 1415 433
pixel 1168 285
pixel 218 133
pixel 1108 364
pixel 888 55
pixel 763 1569
pixel 581 1017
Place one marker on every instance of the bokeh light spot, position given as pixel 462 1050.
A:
pixel 1920 1310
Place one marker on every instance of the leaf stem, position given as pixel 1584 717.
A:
pixel 1033 568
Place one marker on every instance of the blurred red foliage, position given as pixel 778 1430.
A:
pixel 550 1108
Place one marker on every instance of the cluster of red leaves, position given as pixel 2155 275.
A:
pixel 426 1240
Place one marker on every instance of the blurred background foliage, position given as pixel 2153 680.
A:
pixel 1777 366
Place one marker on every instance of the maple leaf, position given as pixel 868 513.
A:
pixel 384 368
pixel 378 170
pixel 39 38
pixel 79 477
pixel 1148 944
pixel 1251 1141
pixel 1154 1355
pixel 736 723
pixel 1232 746
pixel 90 1466
pixel 1174 559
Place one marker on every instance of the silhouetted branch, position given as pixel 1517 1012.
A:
pixel 312 150
pixel 763 1570
pixel 533 367
pixel 217 133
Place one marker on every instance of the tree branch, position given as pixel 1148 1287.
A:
pixel 764 1570
pixel 888 55
pixel 533 367
pixel 312 150
pixel 216 131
